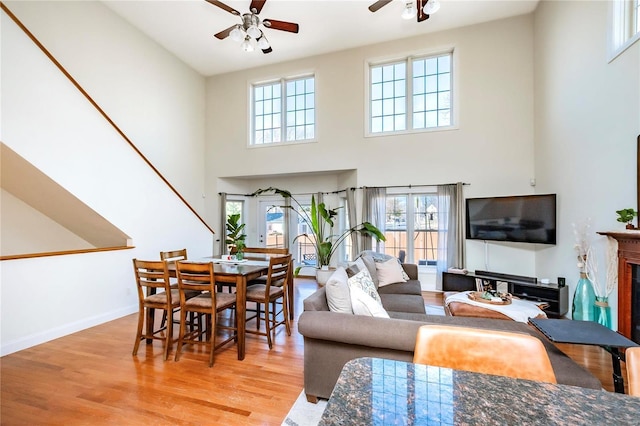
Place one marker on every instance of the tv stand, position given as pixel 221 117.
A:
pixel 519 286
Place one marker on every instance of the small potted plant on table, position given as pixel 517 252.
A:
pixel 626 216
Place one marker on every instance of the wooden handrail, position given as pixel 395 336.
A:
pixel 62 253
pixel 99 109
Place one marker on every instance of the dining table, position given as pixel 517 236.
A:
pixel 238 273
pixel 375 391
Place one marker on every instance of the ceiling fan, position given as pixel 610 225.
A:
pixel 248 31
pixel 421 10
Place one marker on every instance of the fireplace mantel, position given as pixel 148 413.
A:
pixel 628 258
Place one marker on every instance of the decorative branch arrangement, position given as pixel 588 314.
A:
pixel 587 260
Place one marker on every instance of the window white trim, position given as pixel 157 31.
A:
pixel 407 57
pixel 622 25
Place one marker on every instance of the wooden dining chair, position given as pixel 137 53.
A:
pixel 200 277
pixel 154 292
pixel 272 294
pixel 483 351
pixel 279 251
pixel 632 361
pixel 171 257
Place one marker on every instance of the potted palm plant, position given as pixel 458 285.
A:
pixel 320 222
pixel 235 239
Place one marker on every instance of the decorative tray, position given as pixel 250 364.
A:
pixel 223 260
pixel 477 297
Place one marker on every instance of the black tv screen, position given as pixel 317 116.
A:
pixel 523 219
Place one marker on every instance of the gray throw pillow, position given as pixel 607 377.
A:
pixel 371 267
pixel 352 270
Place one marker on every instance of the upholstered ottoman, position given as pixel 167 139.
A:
pixel 459 309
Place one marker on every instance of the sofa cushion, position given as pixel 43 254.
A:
pixel 408 287
pixel 337 289
pixel 363 304
pixel 389 272
pixel 403 303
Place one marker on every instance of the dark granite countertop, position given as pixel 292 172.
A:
pixel 373 391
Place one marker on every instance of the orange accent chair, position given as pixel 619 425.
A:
pixel 483 351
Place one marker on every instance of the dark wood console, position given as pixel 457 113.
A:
pixel 523 287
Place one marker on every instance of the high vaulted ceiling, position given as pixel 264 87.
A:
pixel 186 27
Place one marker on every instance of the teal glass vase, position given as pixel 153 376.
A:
pixel 603 311
pixel 584 300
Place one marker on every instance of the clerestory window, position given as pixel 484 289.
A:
pixel 412 94
pixel 283 111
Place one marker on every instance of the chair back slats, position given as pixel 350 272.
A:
pixel 174 255
pixel 151 274
pixel 278 270
pixel 267 250
pixel 195 276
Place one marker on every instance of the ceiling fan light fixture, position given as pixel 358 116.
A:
pixel 409 11
pixel 246 45
pixel 254 31
pixel 431 7
pixel 237 34
pixel 263 43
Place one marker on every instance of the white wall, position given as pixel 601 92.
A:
pixel 587 121
pixel 156 99
pixel 492 149
pixel 47 121
pixel 25 230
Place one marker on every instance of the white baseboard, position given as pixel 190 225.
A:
pixel 64 330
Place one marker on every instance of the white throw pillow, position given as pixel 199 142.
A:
pixel 337 289
pixel 363 281
pixel 389 272
pixel 363 304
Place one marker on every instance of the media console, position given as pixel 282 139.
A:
pixel 519 286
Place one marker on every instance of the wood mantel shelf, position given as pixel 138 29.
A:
pixel 628 258
pixel 628 234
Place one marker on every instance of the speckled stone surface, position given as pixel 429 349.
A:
pixel 373 391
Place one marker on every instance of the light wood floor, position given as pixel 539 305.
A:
pixel 91 378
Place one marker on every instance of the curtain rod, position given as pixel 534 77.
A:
pixel 354 188
pixel 407 186
pixel 300 193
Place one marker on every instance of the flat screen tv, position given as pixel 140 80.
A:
pixel 522 219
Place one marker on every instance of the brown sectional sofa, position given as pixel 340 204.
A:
pixel 332 339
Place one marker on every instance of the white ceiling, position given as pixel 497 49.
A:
pixel 186 27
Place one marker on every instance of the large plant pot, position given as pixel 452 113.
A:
pixel 322 275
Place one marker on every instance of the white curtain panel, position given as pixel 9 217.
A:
pixel 373 210
pixel 450 229
pixel 353 219
pixel 222 235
